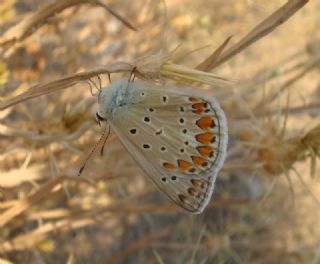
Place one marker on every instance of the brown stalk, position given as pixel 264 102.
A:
pixel 312 108
pixel 37 136
pixel 22 206
pixel 144 242
pixel 238 164
pixel 209 63
pixel 139 244
pixel 65 82
pixel 30 239
pixel 167 208
pixel 35 20
pixel 264 28
pixel 310 65
pixel 118 209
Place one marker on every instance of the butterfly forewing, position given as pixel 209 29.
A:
pixel 178 137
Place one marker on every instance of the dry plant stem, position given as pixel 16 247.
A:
pixel 208 63
pixel 34 21
pixel 137 245
pixel 165 209
pixel 279 69
pixel 30 239
pixel 310 65
pixel 261 30
pixel 63 83
pixel 180 246
pixel 64 213
pixel 77 219
pixel 310 108
pixel 36 136
pixel 238 164
pixel 20 207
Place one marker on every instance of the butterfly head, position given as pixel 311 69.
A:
pixel 99 118
pixel 105 100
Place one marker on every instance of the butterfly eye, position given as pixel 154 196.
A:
pixel 99 118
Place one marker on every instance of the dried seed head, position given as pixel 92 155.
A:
pixel 279 154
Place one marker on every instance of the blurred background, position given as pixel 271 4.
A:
pixel 266 205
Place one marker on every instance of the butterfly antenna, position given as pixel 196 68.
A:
pixel 94 149
pixel 104 141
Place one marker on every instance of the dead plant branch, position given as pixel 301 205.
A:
pixel 35 20
pixel 264 28
pixel 65 82
pixel 139 244
pixel 22 206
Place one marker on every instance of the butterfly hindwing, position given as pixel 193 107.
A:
pixel 178 137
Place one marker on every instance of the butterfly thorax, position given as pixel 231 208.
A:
pixel 118 96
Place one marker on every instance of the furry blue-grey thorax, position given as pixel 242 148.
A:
pixel 118 95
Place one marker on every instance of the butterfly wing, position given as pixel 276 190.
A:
pixel 178 137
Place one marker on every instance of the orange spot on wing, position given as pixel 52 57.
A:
pixel 184 165
pixel 192 191
pixel 194 99
pixel 169 166
pixel 182 198
pixel 199 183
pixel 205 151
pixel 205 138
pixel 198 111
pixel 198 160
pixel 205 122
pixel 199 105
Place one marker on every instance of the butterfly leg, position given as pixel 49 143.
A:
pixel 132 74
pixel 90 86
pixel 91 82
pixel 100 82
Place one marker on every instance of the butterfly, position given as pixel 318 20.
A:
pixel 178 137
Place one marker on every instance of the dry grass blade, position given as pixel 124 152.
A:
pixel 16 177
pixel 137 245
pixel 209 63
pixel 4 261
pixel 32 22
pixel 20 207
pixel 309 65
pixel 66 82
pixel 30 239
pixel 262 29
pixel 161 67
pixel 312 148
pixel 115 14
pixel 169 208
pixel 311 108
